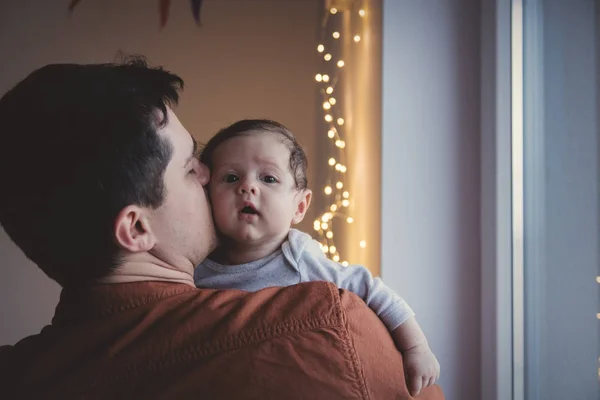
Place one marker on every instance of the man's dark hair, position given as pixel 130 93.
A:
pixel 298 161
pixel 80 143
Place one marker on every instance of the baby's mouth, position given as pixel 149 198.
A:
pixel 249 210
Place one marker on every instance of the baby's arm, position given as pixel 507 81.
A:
pixel 421 367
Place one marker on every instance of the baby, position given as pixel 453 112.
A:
pixel 258 189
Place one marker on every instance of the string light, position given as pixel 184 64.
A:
pixel 337 207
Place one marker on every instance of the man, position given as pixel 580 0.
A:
pixel 102 189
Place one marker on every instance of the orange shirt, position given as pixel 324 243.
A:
pixel 169 341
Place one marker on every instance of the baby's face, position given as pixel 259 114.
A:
pixel 252 189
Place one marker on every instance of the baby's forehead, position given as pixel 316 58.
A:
pixel 259 147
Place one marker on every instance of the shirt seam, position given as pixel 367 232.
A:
pixel 350 349
pixel 231 343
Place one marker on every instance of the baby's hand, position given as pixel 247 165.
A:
pixel 421 367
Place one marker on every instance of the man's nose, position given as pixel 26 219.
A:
pixel 204 174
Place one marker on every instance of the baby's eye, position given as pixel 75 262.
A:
pixel 230 178
pixel 269 179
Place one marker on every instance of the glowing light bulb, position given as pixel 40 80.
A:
pixel 333 10
pixel 329 235
pixel 346 202
pixel 333 207
pixel 339 185
pixel 338 167
pixel 336 258
pixel 328 118
pixel 340 63
pixel 329 215
pixel 325 78
pixel 328 190
pixel 336 35
pixel 324 226
pixel 318 77
pixel 329 90
pixel 327 57
pixel 340 121
pixel 362 12
pixel 343 169
pixel 363 244
pixel 332 101
pixel 598 279
pixel 326 106
pixel 331 133
pixel 345 263
pixel 324 218
pixel 357 38
pixel 320 48
pixel 340 143
pixel 332 249
pixel 350 220
pixel 317 225
pixel 346 195
pixel 324 248
pixel 332 161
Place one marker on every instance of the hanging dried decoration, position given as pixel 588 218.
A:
pixel 163 10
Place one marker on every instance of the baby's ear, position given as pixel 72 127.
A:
pixel 303 198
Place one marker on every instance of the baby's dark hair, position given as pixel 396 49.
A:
pixel 298 161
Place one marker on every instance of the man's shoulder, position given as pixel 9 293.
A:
pixel 270 309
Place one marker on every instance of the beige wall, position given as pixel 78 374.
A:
pixel 249 59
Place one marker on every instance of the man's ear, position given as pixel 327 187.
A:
pixel 303 202
pixel 132 230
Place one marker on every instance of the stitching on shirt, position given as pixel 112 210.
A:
pixel 135 304
pixel 230 343
pixel 350 350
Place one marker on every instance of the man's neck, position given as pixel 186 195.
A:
pixel 145 267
